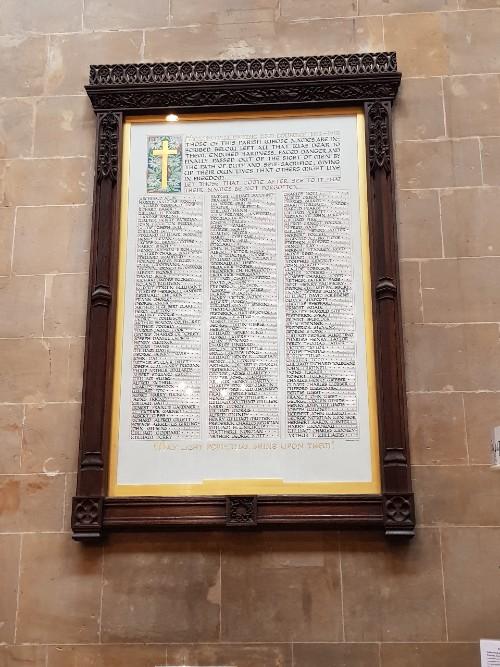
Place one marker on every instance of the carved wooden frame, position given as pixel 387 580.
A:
pixel 368 80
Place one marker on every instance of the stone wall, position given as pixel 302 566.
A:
pixel 275 599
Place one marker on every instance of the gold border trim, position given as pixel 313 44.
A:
pixel 251 486
pixel 114 488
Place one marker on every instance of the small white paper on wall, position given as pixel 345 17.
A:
pixel 490 653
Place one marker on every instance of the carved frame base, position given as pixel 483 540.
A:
pixel 243 512
pixel 87 518
pixel 399 515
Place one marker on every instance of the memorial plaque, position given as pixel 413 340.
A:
pixel 244 359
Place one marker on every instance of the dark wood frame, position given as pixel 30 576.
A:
pixel 367 80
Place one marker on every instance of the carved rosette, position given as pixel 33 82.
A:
pixel 399 514
pixel 107 158
pixel 379 144
pixel 87 517
pixel 241 511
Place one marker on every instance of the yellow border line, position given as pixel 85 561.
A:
pixel 368 305
pixel 251 486
pixel 120 313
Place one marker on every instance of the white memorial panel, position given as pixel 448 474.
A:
pixel 244 347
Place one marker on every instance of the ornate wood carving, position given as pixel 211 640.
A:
pixel 379 148
pixel 241 511
pixel 235 84
pixel 369 80
pixel 107 154
pixel 92 472
pixel 256 69
pixel 393 430
pixel 399 515
pixel 87 517
pixel 241 97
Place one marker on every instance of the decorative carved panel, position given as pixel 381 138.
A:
pixel 241 511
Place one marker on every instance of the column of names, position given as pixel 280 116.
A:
pixel 243 364
pixel 319 309
pixel 166 362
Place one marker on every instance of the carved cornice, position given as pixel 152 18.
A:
pixel 107 158
pixel 353 78
pixel 292 94
pixel 244 70
pixel 379 145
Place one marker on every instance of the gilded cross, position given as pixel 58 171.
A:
pixel 164 153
